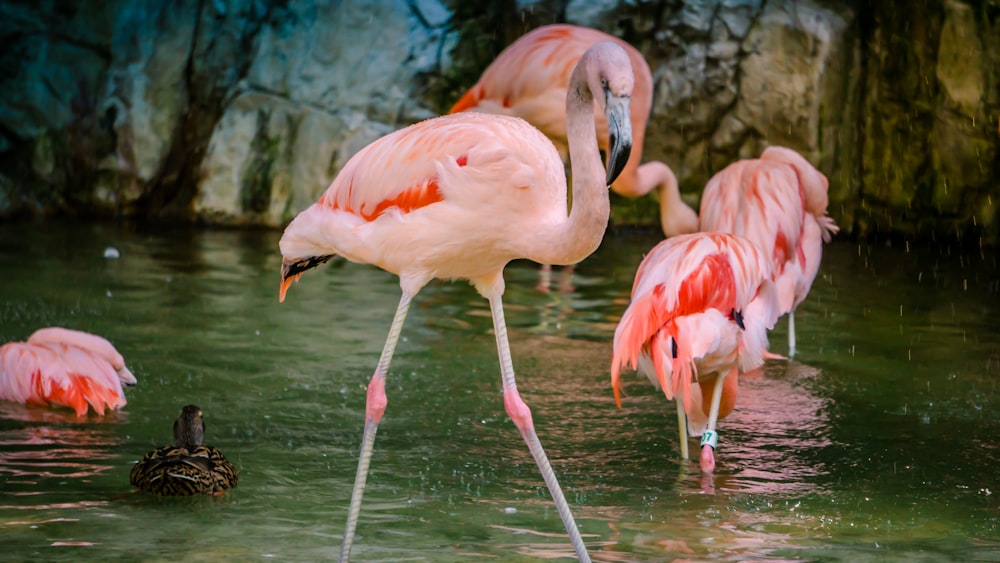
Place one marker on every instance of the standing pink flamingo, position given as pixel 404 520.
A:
pixel 701 308
pixel 63 367
pixel 778 201
pixel 529 79
pixel 458 197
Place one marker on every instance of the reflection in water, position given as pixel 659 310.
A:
pixel 563 275
pixel 878 444
pixel 42 449
pixel 778 417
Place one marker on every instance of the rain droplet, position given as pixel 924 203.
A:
pixel 112 253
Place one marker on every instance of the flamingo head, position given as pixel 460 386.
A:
pixel 619 132
pixel 611 81
pixel 292 269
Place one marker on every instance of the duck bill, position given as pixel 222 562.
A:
pixel 619 135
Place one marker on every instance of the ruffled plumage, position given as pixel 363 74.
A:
pixel 686 295
pixel 701 308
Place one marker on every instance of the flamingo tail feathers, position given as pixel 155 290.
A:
pixel 828 227
pixel 641 321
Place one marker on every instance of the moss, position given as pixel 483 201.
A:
pixel 259 175
pixel 638 212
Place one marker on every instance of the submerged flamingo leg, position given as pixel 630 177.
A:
pixel 544 278
pixel 710 437
pixel 791 333
pixel 374 407
pixel 521 415
pixel 682 426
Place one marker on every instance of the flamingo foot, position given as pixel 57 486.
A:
pixel 707 459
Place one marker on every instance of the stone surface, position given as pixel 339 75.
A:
pixel 241 112
pixel 310 87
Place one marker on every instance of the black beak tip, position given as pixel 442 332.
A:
pixel 618 157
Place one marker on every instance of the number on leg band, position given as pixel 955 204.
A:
pixel 710 438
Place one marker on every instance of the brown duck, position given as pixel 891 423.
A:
pixel 188 467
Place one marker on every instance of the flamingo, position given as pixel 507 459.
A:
pixel 701 307
pixel 70 368
pixel 778 201
pixel 529 79
pixel 458 197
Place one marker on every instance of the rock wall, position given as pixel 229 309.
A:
pixel 931 121
pixel 235 112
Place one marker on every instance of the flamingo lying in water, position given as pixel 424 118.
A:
pixel 458 197
pixel 63 367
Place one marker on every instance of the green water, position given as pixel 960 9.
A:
pixel 878 442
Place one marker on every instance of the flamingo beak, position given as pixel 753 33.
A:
pixel 286 282
pixel 291 270
pixel 619 134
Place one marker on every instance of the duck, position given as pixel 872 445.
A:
pixel 188 467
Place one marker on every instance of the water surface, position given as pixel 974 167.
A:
pixel 877 442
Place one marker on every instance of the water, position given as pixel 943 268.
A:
pixel 878 442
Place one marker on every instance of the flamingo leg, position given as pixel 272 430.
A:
pixel 374 408
pixel 682 425
pixel 710 438
pixel 521 415
pixel 544 278
pixel 565 283
pixel 791 333
pixel 566 279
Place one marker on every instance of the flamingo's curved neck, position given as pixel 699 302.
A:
pixel 581 234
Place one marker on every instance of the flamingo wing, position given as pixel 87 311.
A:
pixel 759 200
pixel 813 184
pixel 411 168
